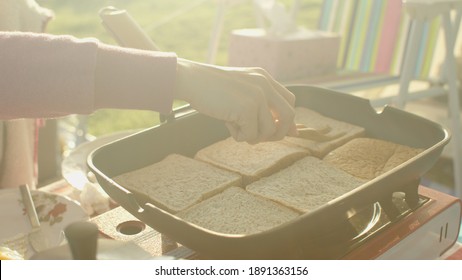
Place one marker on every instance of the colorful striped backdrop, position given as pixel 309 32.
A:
pixel 374 35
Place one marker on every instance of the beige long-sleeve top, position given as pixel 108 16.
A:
pixel 44 75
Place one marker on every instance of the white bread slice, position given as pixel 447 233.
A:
pixel 305 185
pixel 235 211
pixel 177 182
pixel 313 119
pixel 367 158
pixel 251 161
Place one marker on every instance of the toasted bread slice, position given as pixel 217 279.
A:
pixel 305 185
pixel 178 182
pixel 251 161
pixel 367 158
pixel 235 211
pixel 312 119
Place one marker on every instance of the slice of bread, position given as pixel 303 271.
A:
pixel 236 211
pixel 177 182
pixel 251 161
pixel 313 119
pixel 367 158
pixel 305 185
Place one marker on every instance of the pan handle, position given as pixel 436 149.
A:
pixel 124 197
pixel 177 113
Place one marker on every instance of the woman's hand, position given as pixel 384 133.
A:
pixel 254 106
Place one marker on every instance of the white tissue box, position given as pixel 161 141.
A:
pixel 301 54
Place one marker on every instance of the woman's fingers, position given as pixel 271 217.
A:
pixel 279 102
pixel 254 106
pixel 279 88
pixel 251 121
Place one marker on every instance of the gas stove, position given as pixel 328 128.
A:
pixel 426 232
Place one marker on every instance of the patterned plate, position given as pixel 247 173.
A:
pixel 55 213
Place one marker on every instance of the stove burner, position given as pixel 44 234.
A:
pixel 374 219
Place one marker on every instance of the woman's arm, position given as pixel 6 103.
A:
pixel 47 76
